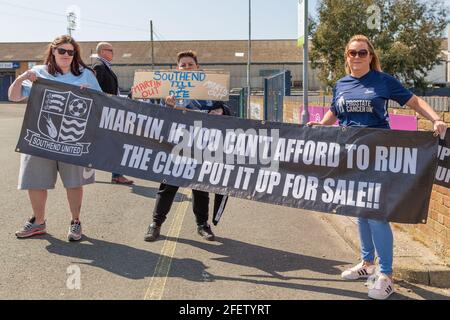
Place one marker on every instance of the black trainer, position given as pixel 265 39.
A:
pixel 152 233
pixel 205 231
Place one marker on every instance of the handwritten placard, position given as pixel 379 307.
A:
pixel 199 85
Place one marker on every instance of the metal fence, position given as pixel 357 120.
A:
pixel 238 103
pixel 439 104
pixel 292 105
pixel 276 87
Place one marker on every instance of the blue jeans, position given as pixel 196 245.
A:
pixel 376 235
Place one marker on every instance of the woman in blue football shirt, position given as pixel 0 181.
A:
pixel 63 63
pixel 360 99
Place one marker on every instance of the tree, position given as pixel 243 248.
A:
pixel 407 35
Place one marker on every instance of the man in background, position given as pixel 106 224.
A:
pixel 109 84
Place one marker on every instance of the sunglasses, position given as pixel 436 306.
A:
pixel 62 51
pixel 361 53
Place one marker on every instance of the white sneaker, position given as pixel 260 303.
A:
pixel 380 286
pixel 358 272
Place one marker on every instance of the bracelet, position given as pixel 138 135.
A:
pixel 436 120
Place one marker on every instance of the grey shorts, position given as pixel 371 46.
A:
pixel 41 174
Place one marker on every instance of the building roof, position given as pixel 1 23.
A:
pixel 209 51
pixel 165 52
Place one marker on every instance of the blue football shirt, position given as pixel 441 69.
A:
pixel 363 102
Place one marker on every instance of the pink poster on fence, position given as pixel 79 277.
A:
pixel 396 121
pixel 403 122
pixel 315 113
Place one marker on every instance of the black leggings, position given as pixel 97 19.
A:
pixel 164 200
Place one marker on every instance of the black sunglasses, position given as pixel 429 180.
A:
pixel 361 53
pixel 62 51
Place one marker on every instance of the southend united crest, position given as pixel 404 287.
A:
pixel 62 122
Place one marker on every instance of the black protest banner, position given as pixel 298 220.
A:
pixel 443 170
pixel 372 173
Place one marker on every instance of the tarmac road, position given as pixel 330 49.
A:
pixel 261 251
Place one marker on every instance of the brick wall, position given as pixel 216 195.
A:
pixel 436 232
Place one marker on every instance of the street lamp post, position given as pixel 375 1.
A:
pixel 448 51
pixel 249 89
pixel 152 45
pixel 71 22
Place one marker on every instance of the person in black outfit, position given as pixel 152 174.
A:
pixel 219 108
pixel 109 84
pixel 186 61
pixel 220 201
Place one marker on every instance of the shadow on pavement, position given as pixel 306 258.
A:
pixel 150 192
pixel 271 261
pixel 133 263
pixel 116 258
pixel 423 293
pixel 147 192
pixel 122 260
pixel 274 261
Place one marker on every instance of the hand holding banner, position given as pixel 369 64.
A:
pixel 443 170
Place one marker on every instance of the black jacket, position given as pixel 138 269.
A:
pixel 221 105
pixel 106 77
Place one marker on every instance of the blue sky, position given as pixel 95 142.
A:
pixel 129 20
pixel 29 20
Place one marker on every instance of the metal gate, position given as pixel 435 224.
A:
pixel 5 82
pixel 275 88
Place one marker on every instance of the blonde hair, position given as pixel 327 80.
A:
pixel 374 64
